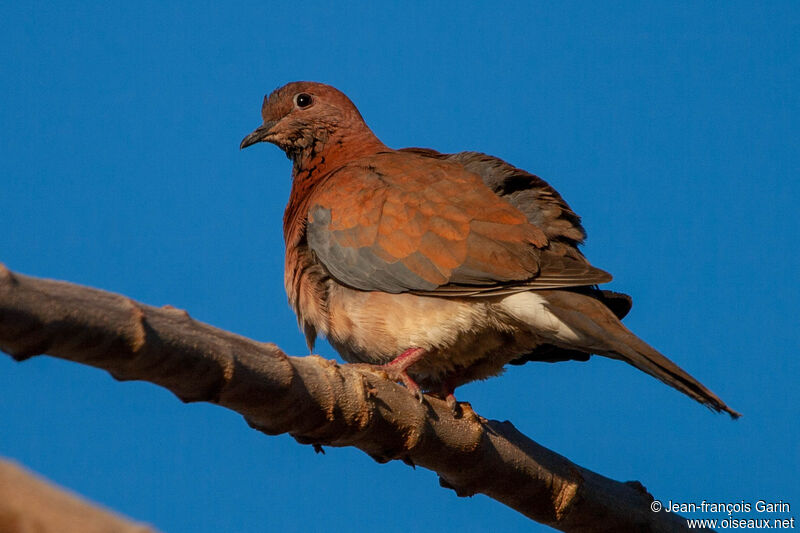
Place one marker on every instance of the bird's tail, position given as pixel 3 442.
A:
pixel 606 335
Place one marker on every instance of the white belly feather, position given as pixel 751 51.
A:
pixel 530 308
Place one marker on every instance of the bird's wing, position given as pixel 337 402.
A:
pixel 402 222
pixel 532 195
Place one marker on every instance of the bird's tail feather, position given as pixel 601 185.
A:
pixel 611 338
pixel 638 353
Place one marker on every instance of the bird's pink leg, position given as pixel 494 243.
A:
pixel 397 369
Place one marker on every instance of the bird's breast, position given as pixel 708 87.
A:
pixel 470 338
pixel 307 286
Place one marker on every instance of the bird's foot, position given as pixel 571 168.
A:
pixel 396 370
pixel 396 374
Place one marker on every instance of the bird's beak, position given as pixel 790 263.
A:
pixel 258 135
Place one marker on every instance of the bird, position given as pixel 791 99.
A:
pixel 437 268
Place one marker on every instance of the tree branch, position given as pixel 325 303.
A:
pixel 29 503
pixel 317 401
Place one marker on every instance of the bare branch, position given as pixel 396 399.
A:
pixel 28 503
pixel 317 401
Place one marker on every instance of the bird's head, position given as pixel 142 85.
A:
pixel 303 118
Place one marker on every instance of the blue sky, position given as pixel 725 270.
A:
pixel 672 128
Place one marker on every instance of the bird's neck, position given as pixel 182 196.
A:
pixel 312 167
pixel 330 150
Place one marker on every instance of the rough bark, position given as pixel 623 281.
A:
pixel 317 401
pixel 30 504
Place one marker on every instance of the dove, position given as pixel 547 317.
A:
pixel 439 269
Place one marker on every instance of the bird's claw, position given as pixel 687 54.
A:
pixel 395 374
pixel 419 396
pixel 452 403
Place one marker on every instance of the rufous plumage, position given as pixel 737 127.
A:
pixel 442 268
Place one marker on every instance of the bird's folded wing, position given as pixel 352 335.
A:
pixel 529 193
pixel 400 222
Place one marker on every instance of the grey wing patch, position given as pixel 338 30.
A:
pixel 358 267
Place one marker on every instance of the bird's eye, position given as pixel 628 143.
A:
pixel 303 100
